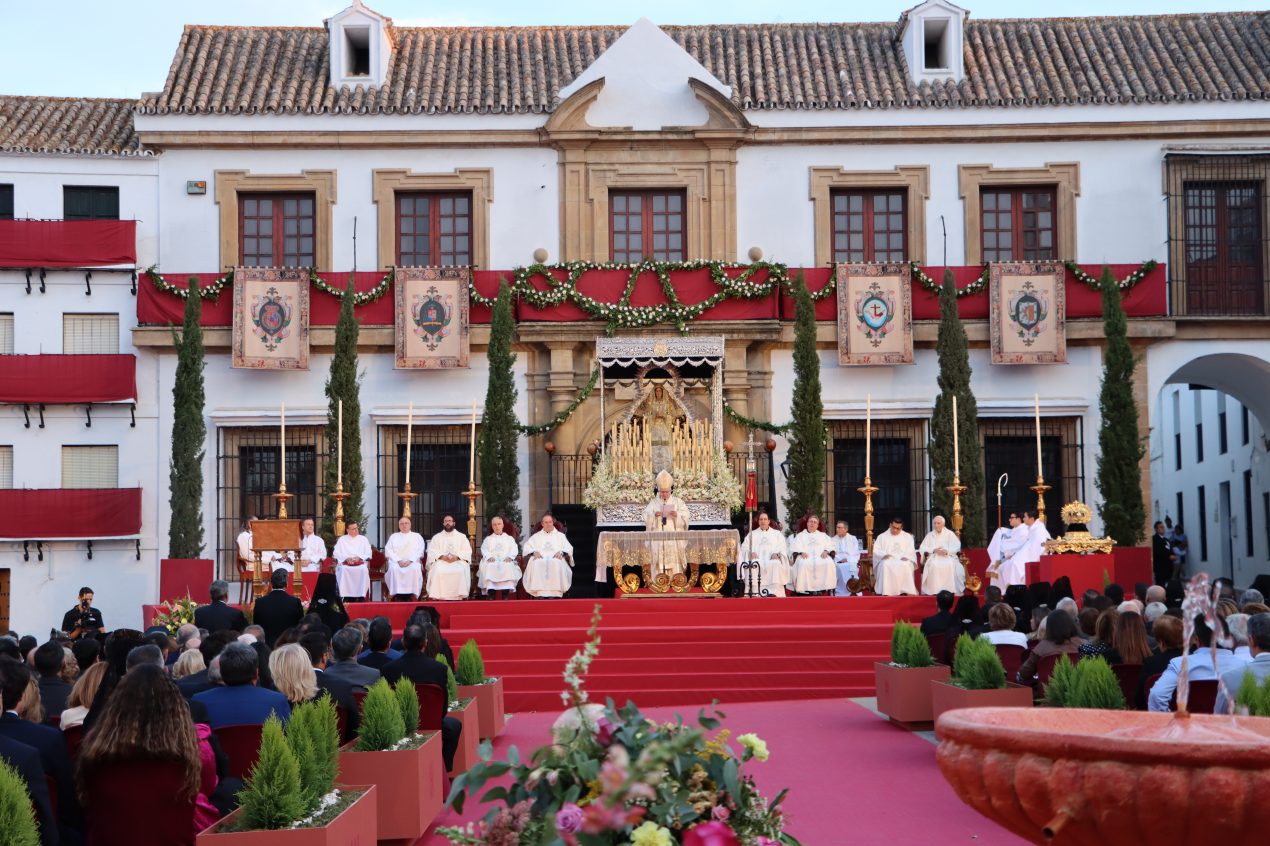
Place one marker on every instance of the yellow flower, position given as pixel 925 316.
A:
pixel 755 745
pixel 651 834
pixel 593 793
pixel 718 746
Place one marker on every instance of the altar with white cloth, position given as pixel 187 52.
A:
pixel 708 552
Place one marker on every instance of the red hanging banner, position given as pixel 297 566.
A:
pixel 68 379
pixel 67 243
pixel 36 514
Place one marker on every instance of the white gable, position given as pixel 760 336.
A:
pixel 360 50
pixel 646 77
pixel 933 38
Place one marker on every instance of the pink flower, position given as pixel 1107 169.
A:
pixel 720 813
pixel 765 841
pixel 598 818
pixel 569 819
pixel 604 731
pixel 712 834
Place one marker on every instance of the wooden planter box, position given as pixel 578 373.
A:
pixel 356 826
pixel 904 692
pixel 407 782
pixel 489 700
pixel 465 756
pixel 949 697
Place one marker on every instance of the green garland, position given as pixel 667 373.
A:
pixel 565 414
pixel 213 290
pixel 981 283
pixel 750 423
pixel 1125 284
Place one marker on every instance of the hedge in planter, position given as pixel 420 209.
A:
pixel 1255 698
pixel 1094 685
pixel 486 690
pixel 903 684
pixel 976 665
pixel 382 724
pixel 1058 688
pixel 17 816
pixel 909 647
pixel 471 666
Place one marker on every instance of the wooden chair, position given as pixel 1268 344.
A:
pixel 1012 657
pixel 359 696
pixel 1045 667
pixel 936 644
pixel 52 785
pixel 376 567
pixel 136 803
pixel 1201 699
pixel 1128 675
pixel 244 579
pixel 242 745
pixel 1147 685
pixel 433 703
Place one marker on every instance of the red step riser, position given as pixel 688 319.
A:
pixel 510 653
pixel 692 699
pixel 676 634
pixel 694 664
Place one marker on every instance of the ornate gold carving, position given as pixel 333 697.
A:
pixel 1076 512
pixel 628 582
pixel 1078 541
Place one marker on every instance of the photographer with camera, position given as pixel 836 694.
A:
pixel 83 619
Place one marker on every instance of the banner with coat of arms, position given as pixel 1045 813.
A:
pixel 875 313
pixel 271 318
pixel 1029 312
pixel 432 317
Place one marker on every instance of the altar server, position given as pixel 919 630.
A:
pixel 811 555
pixel 312 548
pixel 352 555
pixel 766 546
pixel 269 560
pixel 667 513
pixel 404 554
pixel 1005 563
pixel 498 572
pixel 1037 535
pixel 449 563
pixel 894 559
pixel 846 556
pixel 548 561
pixel 942 568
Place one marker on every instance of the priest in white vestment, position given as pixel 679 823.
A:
pixel 449 563
pixel 312 548
pixel 1037 535
pixel 548 557
pixel 667 513
pixel 403 554
pixel 941 568
pixel 846 556
pixel 813 568
pixel 767 547
pixel 1005 563
pixel 894 560
pixel 498 572
pixel 269 560
pixel 352 564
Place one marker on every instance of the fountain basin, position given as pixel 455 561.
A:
pixel 1074 776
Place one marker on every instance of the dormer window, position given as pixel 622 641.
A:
pixel 935 43
pixel 356 51
pixel 360 47
pixel 932 35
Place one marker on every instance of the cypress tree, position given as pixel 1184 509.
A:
pixel 953 351
pixel 189 432
pixel 805 490
pixel 343 384
pixel 1119 445
pixel 500 434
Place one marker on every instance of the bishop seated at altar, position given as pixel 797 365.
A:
pixel 449 563
pixel 403 555
pixel 941 568
pixel 813 569
pixel 667 513
pixel 894 560
pixel 548 561
pixel 352 558
pixel 499 572
pixel 763 560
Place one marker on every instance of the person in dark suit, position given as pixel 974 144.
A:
pixel 422 669
pixel 49 658
pixel 220 615
pixel 942 619
pixel 343 664
pixel 25 761
pixel 240 702
pixel 1163 559
pixel 277 611
pixel 340 691
pixel 379 641
pixel 48 741
pixel 210 647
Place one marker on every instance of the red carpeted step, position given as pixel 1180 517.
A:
pixel 509 654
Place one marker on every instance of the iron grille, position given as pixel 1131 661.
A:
pixel 900 470
pixel 438 476
pixel 1009 446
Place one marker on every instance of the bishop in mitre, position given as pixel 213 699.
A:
pixel 404 555
pixel 1005 561
pixel 548 561
pixel 942 568
pixel 894 560
pixel 811 553
pixel 498 572
pixel 449 563
pixel 764 548
pixel 667 513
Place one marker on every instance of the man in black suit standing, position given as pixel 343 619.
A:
pixel 48 741
pixel 25 761
pixel 421 669
pixel 341 692
pixel 220 615
pixel 1163 560
pixel 277 611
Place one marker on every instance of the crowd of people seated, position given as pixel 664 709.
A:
pixel 80 717
pixel 1140 636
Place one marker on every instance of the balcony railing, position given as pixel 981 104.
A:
pixel 67 243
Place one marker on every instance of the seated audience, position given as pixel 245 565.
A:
pixel 1087 621
pixel 341 692
pixel 1258 667
pixel 1237 626
pixel 1037 632
pixel 965 621
pixel 326 603
pixel 14 679
pixel 1199 666
pixel 257 632
pixel 1001 620
pixel 422 668
pixel 1060 636
pixel 1251 596
pixel 1252 609
pixel 87 651
pixel 219 614
pixel 942 619
pixel 190 662
pixel 1104 627
pixel 1128 640
pixel 240 701
pixel 1069 605
pixel 1088 598
pixel 200 680
pixel 49 660
pixel 379 649
pixel 1131 605
pixel 81 698
pixel 1115 593
pixel 29 706
pixel 1168 637
pixel 277 611
pixel 293 674
pixel 25 762
pixel 344 665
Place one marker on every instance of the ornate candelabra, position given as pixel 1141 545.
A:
pixel 973 583
pixel 866 560
pixel 472 493
pixel 339 496
pixel 282 496
pixel 1039 489
pixel 407 496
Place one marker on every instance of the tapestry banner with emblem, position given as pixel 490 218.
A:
pixel 875 313
pixel 1029 313
pixel 432 317
pixel 271 318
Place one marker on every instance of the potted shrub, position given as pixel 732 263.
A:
pixel 903 685
pixel 978 679
pixel 290 797
pixel 17 815
pixel 467 711
pixel 486 690
pixel 403 763
pixel 1090 683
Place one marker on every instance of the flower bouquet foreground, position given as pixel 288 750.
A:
pixel 612 777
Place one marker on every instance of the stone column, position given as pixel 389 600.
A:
pixel 736 386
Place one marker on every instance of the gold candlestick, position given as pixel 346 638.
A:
pixel 866 561
pixel 472 493
pixel 973 583
pixel 339 496
pixel 282 496
pixel 406 497
pixel 1039 489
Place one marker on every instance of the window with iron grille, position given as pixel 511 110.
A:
pixel 90 202
pixel 1243 424
pixel 6 335
pixel 276 230
pixel 90 334
pixel 439 461
pixel 1009 446
pixel 6 467
pixel 869 225
pixel 1203 525
pixel 1248 550
pixel 899 470
pixel 90 466
pixel 1181 510
pixel 434 229
pixel 1224 243
pixel 1018 224
pixel 647 225
pixel 6 202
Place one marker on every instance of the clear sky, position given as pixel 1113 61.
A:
pixel 89 48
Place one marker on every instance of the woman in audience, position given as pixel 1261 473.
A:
pixel 190 662
pixel 293 674
pixel 1087 620
pixel 1168 636
pixel 82 695
pixel 1129 639
pixel 147 720
pixel 1001 620
pixel 30 707
pixel 70 667
pixel 326 603
pixel 1037 632
pixel 1104 628
pixel 118 644
pixel 1060 636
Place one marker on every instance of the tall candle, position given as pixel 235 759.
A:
pixel 283 475
pixel 471 464
pixel 339 443
pixel 956 443
pixel 410 418
pixel 1037 400
pixel 868 434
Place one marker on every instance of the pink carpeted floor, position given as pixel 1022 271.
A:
pixel 854 779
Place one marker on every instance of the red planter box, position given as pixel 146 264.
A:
pixel 949 697
pixel 357 826
pixel 408 783
pixel 179 577
pixel 491 711
pixel 904 692
pixel 470 740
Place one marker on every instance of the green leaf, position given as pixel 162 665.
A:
pixel 730 781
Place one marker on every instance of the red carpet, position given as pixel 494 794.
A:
pixel 853 778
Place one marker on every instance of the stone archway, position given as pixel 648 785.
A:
pixel 1244 377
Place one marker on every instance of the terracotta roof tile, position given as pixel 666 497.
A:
pixel 68 126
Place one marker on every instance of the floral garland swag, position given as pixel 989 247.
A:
pixel 219 284
pixel 611 776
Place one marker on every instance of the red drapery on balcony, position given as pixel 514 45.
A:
pixel 67 379
pixel 34 514
pixel 67 243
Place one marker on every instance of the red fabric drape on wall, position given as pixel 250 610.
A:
pixel 67 243
pixel 68 378
pixel 69 513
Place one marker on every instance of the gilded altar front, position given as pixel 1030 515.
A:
pixel 708 552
